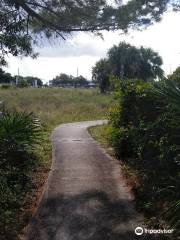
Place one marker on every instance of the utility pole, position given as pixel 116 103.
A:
pixel 77 72
pixel 35 83
pixel 17 78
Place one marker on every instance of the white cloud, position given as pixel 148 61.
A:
pixel 84 50
pixel 47 68
pixel 71 49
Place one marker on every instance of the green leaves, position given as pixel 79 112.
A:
pixel 128 62
pixel 19 133
pixel 173 214
pixel 101 73
pixel 171 91
pixel 125 62
pixel 146 136
pixel 21 22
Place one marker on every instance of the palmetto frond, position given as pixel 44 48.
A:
pixel 171 91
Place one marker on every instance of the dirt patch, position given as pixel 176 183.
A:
pixel 33 198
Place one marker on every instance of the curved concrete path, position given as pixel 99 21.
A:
pixel 85 197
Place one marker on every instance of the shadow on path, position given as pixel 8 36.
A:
pixel 87 216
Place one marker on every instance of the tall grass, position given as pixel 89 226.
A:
pixel 56 106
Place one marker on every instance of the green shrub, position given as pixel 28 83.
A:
pixel 19 132
pixel 146 135
pixel 19 136
pixel 121 142
pixel 5 86
pixel 173 214
pixel 22 84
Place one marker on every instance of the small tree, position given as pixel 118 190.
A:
pixel 100 75
pixel 129 62
pixel 22 83
pixel 31 81
pixel 5 77
pixel 62 79
pixel 80 81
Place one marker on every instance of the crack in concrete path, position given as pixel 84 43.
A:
pixel 85 198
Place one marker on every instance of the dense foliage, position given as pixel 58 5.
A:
pixel 31 81
pixel 19 135
pixel 146 136
pixel 65 80
pixel 127 62
pixel 5 77
pixel 23 21
pixel 101 75
pixel 175 76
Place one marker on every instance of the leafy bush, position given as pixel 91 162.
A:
pixel 146 135
pixel 175 76
pixel 5 86
pixel 19 135
pixel 22 84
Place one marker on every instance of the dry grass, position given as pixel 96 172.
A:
pixel 56 106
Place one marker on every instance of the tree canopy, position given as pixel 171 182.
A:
pixel 31 81
pixel 22 22
pixel 101 73
pixel 6 77
pixel 131 62
pixel 63 80
pixel 127 62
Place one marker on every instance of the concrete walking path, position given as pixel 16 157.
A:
pixel 85 197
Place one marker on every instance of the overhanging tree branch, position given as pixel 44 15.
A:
pixel 20 20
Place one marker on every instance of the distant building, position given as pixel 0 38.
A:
pixel 91 85
pixel 72 85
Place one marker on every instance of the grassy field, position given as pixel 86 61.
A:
pixel 56 106
pixel 101 134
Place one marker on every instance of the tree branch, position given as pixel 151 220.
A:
pixel 32 13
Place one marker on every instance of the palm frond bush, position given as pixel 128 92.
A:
pixel 173 215
pixel 169 90
pixel 19 133
pixel 146 136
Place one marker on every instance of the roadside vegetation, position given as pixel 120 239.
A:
pixel 144 133
pixel 20 137
pixel 55 106
pixel 64 80
pixel 125 61
pixel 7 81
pixel 25 149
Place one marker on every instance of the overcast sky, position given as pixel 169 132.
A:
pixel 83 50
